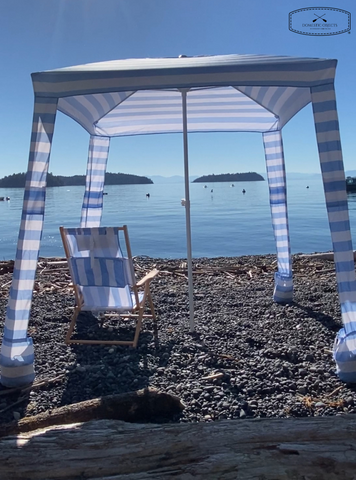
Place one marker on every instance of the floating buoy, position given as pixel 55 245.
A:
pixel 243 191
pixel 232 185
pixel 211 191
pixel 205 186
pixel 148 195
pixel 307 186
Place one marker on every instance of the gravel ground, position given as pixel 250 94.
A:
pixel 249 357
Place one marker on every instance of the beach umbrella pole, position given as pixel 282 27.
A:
pixel 187 212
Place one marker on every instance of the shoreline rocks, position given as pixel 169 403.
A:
pixel 249 356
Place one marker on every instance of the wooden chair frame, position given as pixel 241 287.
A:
pixel 137 312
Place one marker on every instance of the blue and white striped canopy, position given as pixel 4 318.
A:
pixel 250 93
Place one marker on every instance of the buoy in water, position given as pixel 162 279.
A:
pixel 148 195
pixel 232 185
pixel 307 186
pixel 211 191
pixel 243 191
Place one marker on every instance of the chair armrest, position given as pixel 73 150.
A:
pixel 148 277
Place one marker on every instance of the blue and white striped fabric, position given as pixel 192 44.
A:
pixel 283 290
pixel 93 197
pixel 99 269
pixel 102 282
pixel 17 356
pixel 258 93
pixel 332 168
pixel 189 72
pixel 249 109
pixel 209 109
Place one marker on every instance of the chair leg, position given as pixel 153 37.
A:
pixel 72 324
pixel 138 328
pixel 152 307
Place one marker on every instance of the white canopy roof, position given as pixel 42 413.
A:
pixel 251 93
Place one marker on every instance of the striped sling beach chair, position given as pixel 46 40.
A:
pixel 104 279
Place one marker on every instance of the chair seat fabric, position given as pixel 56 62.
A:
pixel 100 271
pixel 108 298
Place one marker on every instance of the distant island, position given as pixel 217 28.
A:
pixel 230 177
pixel 17 180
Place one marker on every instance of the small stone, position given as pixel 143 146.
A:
pixel 197 392
pixel 242 413
pixel 320 405
pixel 17 415
pixel 302 390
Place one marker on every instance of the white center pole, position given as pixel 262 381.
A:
pixel 187 212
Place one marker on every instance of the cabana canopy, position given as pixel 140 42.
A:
pixel 250 93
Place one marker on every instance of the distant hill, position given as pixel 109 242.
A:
pixel 17 180
pixel 230 177
pixel 173 179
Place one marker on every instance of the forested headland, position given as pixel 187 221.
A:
pixel 17 180
pixel 230 177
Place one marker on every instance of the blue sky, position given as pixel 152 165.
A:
pixel 39 35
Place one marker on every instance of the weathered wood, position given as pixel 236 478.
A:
pixel 322 256
pixel 265 449
pixel 140 406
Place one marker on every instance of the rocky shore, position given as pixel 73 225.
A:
pixel 248 358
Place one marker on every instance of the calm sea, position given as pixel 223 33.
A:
pixel 224 221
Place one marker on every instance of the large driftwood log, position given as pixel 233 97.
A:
pixel 266 449
pixel 139 406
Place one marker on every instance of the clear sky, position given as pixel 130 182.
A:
pixel 37 35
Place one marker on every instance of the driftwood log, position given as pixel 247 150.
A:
pixel 322 256
pixel 138 406
pixel 265 449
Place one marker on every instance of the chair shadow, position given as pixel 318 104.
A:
pixel 112 369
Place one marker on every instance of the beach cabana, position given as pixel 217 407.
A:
pixel 249 93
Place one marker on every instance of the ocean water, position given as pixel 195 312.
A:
pixel 224 221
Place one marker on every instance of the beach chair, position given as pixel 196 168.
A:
pixel 104 279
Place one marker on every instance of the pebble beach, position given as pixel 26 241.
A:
pixel 248 358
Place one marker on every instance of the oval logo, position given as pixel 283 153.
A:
pixel 319 21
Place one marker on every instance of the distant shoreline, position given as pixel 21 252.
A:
pixel 230 177
pixel 18 180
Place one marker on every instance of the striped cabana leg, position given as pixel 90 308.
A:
pixel 93 197
pixel 283 289
pixel 332 168
pixel 17 356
